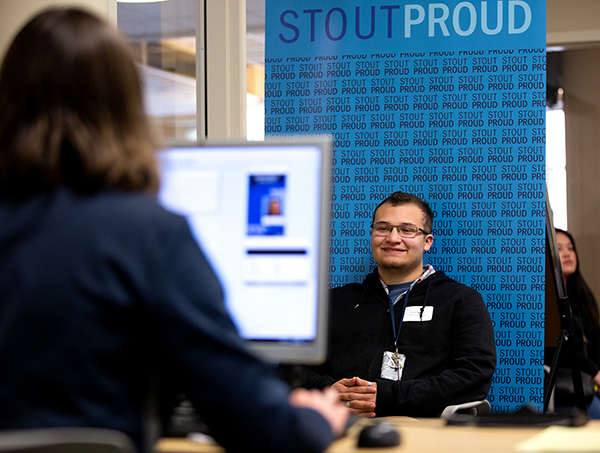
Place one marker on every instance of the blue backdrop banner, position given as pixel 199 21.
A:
pixel 445 100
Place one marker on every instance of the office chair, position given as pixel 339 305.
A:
pixel 65 440
pixel 471 408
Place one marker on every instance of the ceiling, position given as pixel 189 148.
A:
pixel 152 22
pixel 255 32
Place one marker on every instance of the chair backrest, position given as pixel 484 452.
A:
pixel 65 440
pixel 471 408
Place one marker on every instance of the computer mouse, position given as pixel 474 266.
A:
pixel 378 435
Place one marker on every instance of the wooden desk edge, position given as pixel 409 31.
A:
pixel 430 435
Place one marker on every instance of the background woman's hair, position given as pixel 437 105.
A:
pixel 579 293
pixel 72 109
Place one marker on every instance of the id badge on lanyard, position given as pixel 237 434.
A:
pixel 392 365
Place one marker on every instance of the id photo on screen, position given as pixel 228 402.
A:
pixel 266 205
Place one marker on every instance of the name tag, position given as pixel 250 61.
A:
pixel 413 314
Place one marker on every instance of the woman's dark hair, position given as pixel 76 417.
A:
pixel 579 293
pixel 72 109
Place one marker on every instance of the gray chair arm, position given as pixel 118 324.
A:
pixel 473 408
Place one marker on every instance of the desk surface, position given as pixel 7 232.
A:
pixel 417 436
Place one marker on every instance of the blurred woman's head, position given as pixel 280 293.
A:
pixel 567 252
pixel 579 293
pixel 72 109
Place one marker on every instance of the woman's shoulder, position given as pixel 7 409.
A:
pixel 114 204
pixel 116 215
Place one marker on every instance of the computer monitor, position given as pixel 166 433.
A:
pixel 260 211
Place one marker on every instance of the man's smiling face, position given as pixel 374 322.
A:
pixel 399 259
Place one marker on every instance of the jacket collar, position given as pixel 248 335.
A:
pixel 373 282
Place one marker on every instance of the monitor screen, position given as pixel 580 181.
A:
pixel 260 212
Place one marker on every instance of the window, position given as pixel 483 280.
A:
pixel 255 67
pixel 556 174
pixel 163 36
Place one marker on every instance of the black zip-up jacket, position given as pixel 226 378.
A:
pixel 102 293
pixel 449 359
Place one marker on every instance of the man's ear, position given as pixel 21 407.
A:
pixel 428 242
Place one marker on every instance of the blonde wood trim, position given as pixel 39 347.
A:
pixel 226 68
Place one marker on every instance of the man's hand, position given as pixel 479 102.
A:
pixel 325 403
pixel 358 394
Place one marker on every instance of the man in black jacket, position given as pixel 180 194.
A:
pixel 408 340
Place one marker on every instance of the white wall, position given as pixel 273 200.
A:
pixel 582 118
pixel 15 13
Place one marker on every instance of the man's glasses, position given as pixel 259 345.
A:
pixel 405 230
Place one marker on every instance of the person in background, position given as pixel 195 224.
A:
pixel 585 314
pixel 104 294
pixel 408 340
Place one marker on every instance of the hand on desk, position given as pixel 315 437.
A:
pixel 359 395
pixel 325 403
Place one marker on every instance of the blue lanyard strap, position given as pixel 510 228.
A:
pixel 397 334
